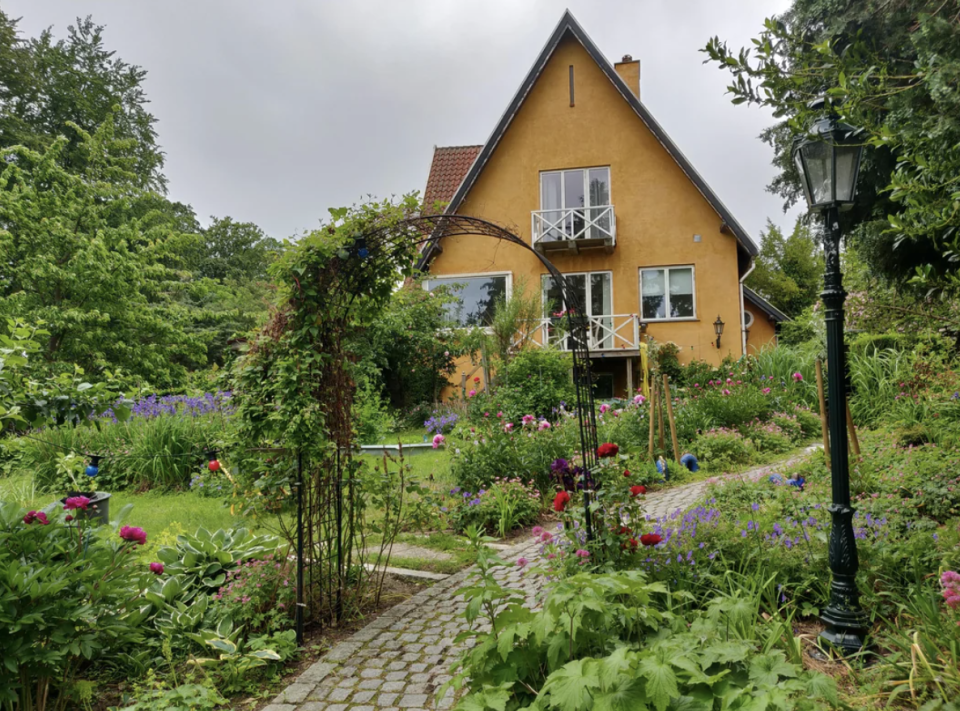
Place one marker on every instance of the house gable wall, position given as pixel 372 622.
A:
pixel 658 209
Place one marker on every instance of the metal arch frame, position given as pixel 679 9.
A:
pixel 427 230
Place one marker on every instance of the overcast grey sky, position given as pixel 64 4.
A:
pixel 274 111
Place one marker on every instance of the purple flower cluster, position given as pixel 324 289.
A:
pixel 440 423
pixel 160 406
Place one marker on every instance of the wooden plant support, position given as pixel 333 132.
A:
pixel 653 409
pixel 854 442
pixel 673 425
pixel 823 414
pixel 660 419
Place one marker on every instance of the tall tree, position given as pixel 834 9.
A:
pixel 789 270
pixel 74 258
pixel 892 69
pixel 48 84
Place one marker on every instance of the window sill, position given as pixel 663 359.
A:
pixel 669 320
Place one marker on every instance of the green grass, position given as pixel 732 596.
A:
pixel 153 511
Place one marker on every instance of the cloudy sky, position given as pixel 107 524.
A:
pixel 274 111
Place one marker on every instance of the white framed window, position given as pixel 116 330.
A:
pixel 668 294
pixel 594 291
pixel 477 296
pixel 574 203
pixel 747 319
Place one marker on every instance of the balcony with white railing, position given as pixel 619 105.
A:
pixel 616 332
pixel 574 229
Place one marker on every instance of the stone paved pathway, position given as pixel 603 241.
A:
pixel 403 657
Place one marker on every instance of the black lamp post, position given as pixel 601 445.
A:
pixel 718 329
pixel 829 161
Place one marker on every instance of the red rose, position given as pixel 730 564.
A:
pixel 626 472
pixel 633 542
pixel 637 490
pixel 624 531
pixel 607 449
pixel 650 539
pixel 560 501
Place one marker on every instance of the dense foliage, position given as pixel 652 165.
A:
pixel 890 69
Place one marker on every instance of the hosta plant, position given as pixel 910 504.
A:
pixel 204 559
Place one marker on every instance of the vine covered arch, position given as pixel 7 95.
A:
pixel 296 390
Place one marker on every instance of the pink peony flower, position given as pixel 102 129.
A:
pixel 134 535
pixel 639 400
pixel 472 393
pixel 603 408
pixel 544 425
pixel 437 441
pixel 508 427
pixel 76 502
pixel 797 377
pixel 528 420
pixel 38 516
pixel 156 568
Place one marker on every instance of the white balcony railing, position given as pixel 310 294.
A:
pixel 617 332
pixel 573 225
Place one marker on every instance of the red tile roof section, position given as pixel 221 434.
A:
pixel 448 169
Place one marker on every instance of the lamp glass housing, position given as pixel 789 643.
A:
pixel 718 326
pixel 828 162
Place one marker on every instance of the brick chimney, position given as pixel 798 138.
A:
pixel 629 70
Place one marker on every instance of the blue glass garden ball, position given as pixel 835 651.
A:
pixel 92 470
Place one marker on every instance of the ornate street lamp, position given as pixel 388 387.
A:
pixel 718 329
pixel 829 160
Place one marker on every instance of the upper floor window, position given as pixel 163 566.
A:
pixel 575 204
pixel 667 293
pixel 476 297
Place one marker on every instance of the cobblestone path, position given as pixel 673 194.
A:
pixel 403 657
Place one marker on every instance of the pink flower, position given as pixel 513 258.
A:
pixel 581 553
pixel 522 562
pixel 528 420
pixel 766 391
pixel 508 427
pixel 726 392
pixel 603 408
pixel 536 531
pixel 437 441
pixel 729 381
pixel 156 568
pixel 500 414
pixel 544 425
pixel 546 537
pixel 38 516
pixel 76 502
pixel 639 400
pixel 797 377
pixel 134 535
pixel 472 393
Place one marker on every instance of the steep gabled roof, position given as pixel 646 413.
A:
pixel 764 305
pixel 447 170
pixel 569 25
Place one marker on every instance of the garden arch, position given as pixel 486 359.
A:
pixel 299 388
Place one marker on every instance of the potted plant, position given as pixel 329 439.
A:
pixel 97 506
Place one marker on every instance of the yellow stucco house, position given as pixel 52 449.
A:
pixel 579 168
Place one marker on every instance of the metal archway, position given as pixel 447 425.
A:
pixel 427 231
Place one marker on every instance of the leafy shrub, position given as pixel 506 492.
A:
pixel 259 594
pixel 153 694
pixel 721 448
pixel 153 447
pixel 789 425
pixel 730 404
pixel 65 595
pixel 500 508
pixel 605 640
pixel 767 437
pixel 808 419
pixel 501 448
pixel 666 360
pixel 535 381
